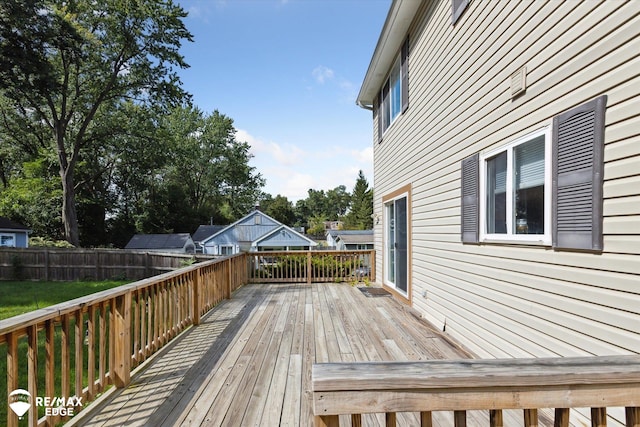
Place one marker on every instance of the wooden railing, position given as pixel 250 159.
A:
pixel 92 342
pixel 312 266
pixel 78 348
pixel 493 385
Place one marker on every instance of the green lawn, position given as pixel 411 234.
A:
pixel 22 297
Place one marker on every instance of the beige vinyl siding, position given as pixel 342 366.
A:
pixel 518 300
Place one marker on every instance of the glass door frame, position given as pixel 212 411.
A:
pixel 388 201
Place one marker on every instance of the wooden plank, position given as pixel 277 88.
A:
pixel 32 370
pixel 460 418
pixel 561 418
pixel 12 373
pixel 293 392
pixel 495 418
pixel 482 373
pixel 530 417
pixel 598 417
pixel 79 344
pixel 49 363
pixel 632 417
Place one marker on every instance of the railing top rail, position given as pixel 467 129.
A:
pixel 480 374
pixel 38 316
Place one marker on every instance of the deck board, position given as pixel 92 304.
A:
pixel 249 361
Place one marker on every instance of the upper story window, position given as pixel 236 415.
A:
pixel 394 96
pixel 515 190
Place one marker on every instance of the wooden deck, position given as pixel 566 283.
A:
pixel 249 362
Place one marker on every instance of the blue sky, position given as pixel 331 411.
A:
pixel 288 73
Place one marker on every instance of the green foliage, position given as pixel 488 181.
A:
pixel 359 216
pixel 67 69
pixel 279 208
pixel 41 242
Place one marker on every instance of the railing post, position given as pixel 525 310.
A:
pixel 308 267
pixel 122 345
pixel 372 272
pixel 195 294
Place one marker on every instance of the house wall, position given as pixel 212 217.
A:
pixel 504 300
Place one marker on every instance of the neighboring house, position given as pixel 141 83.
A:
pixel 178 243
pixel 13 234
pixel 507 171
pixel 350 239
pixel 203 232
pixel 256 231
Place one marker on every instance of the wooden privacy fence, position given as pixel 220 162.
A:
pixel 312 266
pixel 80 264
pixel 91 342
pixel 494 385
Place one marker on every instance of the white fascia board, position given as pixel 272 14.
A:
pixel 393 34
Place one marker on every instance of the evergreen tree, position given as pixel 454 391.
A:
pixel 359 216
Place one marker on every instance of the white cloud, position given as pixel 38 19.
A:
pixel 321 74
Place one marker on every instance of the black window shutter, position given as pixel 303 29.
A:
pixel 377 110
pixel 457 7
pixel 470 199
pixel 578 168
pixel 405 75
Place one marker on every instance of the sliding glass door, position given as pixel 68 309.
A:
pixel 396 244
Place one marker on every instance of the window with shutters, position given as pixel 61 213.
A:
pixel 394 96
pixel 515 190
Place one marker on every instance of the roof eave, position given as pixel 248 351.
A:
pixel 393 33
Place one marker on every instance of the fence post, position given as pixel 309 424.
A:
pixel 308 267
pixel 195 304
pixel 122 345
pixel 46 265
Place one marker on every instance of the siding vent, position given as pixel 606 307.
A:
pixel 518 82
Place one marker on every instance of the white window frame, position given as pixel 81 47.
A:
pixel 545 238
pixel 387 102
pixel 220 247
pixel 12 236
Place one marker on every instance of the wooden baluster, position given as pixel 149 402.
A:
pixel 79 344
pixel 32 367
pixel 102 347
pixel 91 354
pixel 425 419
pixel 633 416
pixel 65 357
pixel 356 420
pixel 460 418
pixel 49 363
pixel 390 419
pixel 12 373
pixel 598 417
pixel 309 268
pixel 495 418
pixel 561 418
pixel 530 417
pixel 136 329
pixel 326 421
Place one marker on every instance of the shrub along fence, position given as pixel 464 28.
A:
pixel 95 264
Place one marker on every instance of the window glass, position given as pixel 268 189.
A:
pixel 395 91
pixel 515 196
pixel 529 187
pixel 496 194
pixel 7 240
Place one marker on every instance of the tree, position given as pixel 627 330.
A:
pixel 338 201
pixel 279 208
pixel 66 66
pixel 359 216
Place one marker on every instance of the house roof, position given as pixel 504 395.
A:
pixel 158 241
pixel 284 236
pixel 335 233
pixel 394 31
pixel 7 224
pixel 205 231
pixel 355 238
pixel 248 232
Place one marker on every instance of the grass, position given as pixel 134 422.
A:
pixel 22 297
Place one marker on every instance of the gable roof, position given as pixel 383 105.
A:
pixel 205 231
pixel 394 32
pixel 7 224
pixel 158 241
pixel 360 236
pixel 248 231
pixel 285 236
